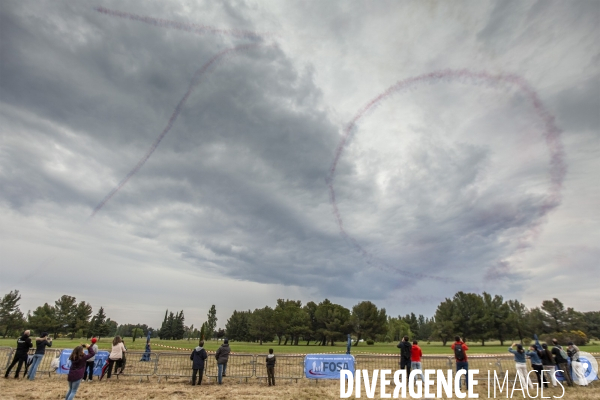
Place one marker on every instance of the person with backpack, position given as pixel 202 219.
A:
pixel 405 354
pixel 222 356
pixel 23 346
pixel 561 360
pixel 198 357
pixel 40 350
pixel 271 367
pixel 521 363
pixel 460 355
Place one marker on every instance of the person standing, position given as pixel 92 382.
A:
pixel 89 364
pixel 23 346
pixel 222 357
pixel 116 354
pixel 460 355
pixel 578 368
pixel 405 354
pixel 521 363
pixel 537 365
pixel 40 349
pixel 547 360
pixel 415 358
pixel 198 357
pixel 271 367
pixel 560 358
pixel 78 360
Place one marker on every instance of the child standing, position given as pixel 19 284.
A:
pixel 271 368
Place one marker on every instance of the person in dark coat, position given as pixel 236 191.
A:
pixel 271 367
pixel 561 362
pixel 23 346
pixel 198 357
pixel 405 354
pixel 222 357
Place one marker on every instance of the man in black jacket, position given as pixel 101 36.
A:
pixel 405 354
pixel 198 356
pixel 23 346
pixel 271 367
pixel 222 357
pixel 561 361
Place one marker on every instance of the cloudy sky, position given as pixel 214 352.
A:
pixel 291 166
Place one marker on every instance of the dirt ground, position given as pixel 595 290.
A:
pixel 132 389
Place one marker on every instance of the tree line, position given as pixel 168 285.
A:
pixel 475 317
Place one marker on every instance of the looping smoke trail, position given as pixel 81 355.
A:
pixel 195 81
pixel 552 133
pixel 188 27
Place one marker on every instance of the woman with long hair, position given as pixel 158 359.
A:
pixel 536 364
pixel 521 363
pixel 78 361
pixel 548 363
pixel 116 355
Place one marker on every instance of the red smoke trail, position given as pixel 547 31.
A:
pixel 188 27
pixel 195 81
pixel 551 134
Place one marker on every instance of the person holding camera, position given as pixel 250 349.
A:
pixel 78 362
pixel 40 349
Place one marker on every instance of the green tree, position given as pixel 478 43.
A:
pixel 135 332
pixel 591 324
pixel 468 315
pixel 444 326
pixel 397 328
pixel 554 313
pixel 98 326
pixel 334 322
pixel 81 319
pixel 11 317
pixel 413 322
pixel 42 319
pixel 211 322
pixel 65 311
pixel 518 318
pixel 368 321
pixel 495 318
pixel 313 325
pixel 261 325
pixel 237 326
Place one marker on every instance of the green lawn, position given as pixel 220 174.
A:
pixel 254 348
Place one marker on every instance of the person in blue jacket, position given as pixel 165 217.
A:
pixel 536 364
pixel 521 363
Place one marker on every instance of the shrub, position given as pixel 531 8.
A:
pixel 577 337
pixel 370 342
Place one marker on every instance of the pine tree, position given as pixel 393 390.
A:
pixel 99 326
pixel 211 324
pixel 11 317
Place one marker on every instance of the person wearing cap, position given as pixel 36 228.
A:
pixel 578 368
pixel 89 364
pixel 222 356
pixel 40 349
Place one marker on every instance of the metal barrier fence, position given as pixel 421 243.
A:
pixel 49 355
pixel 240 366
pixel 287 367
pixel 173 365
pixel 134 366
pixel 5 357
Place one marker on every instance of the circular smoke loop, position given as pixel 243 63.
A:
pixel 551 135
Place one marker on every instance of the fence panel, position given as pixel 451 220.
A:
pixel 174 365
pixel 134 366
pixel 239 366
pixel 372 362
pixel 5 357
pixel 485 364
pixel 286 366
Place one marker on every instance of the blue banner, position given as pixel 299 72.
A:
pixel 327 366
pixel 65 364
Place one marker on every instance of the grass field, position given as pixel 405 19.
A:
pixel 46 388
pixel 254 348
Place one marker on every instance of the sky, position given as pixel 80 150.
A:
pixel 177 154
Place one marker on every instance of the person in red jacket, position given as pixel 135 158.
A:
pixel 460 355
pixel 415 358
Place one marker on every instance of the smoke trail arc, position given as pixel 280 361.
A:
pixel 182 26
pixel 551 135
pixel 194 82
